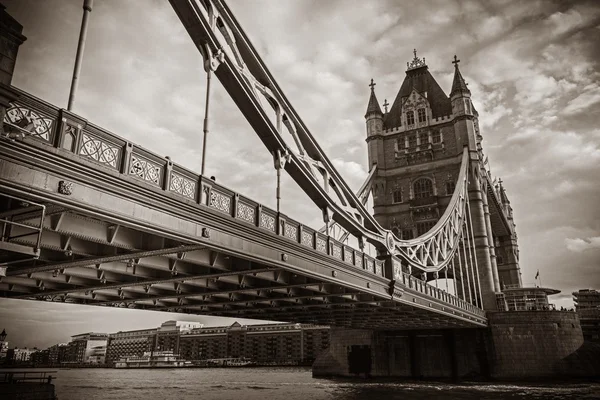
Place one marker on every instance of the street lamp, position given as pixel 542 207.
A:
pixel 3 335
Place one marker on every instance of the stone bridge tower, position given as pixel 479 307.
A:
pixel 417 146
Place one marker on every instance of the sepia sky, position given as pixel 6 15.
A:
pixel 532 67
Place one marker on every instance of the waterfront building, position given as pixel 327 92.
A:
pixel 84 345
pixel 20 356
pixel 167 335
pixel 587 305
pixel 57 354
pixel 3 349
pixel 264 344
pixel 129 343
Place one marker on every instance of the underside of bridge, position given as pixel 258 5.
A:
pixel 85 260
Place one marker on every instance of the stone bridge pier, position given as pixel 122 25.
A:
pixel 518 345
pixel 411 354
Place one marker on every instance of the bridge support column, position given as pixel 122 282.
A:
pixel 481 239
pixel 491 244
pixel 413 354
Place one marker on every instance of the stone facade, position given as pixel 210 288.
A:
pixel 417 146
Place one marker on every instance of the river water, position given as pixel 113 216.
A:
pixel 285 384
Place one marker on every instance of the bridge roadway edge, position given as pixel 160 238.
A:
pixel 45 166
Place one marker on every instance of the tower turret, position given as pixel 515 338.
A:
pixel 462 110
pixel 374 121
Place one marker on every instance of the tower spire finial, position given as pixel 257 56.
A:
pixel 416 62
pixel 385 105
pixel 372 85
pixel 456 61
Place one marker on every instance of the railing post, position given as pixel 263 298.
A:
pixel 127 151
pixel 168 168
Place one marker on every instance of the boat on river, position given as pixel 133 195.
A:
pixel 154 359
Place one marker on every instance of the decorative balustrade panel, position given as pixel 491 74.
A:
pixel 349 254
pixel 321 244
pixel 182 185
pixel 246 212
pixel 267 221
pixel 336 251
pixel 307 238
pixel 145 169
pixel 290 231
pixel 100 150
pixel 370 265
pixel 379 267
pixel 220 201
pixel 29 120
pixel 358 259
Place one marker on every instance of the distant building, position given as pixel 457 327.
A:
pixel 3 350
pixel 40 357
pixel 57 354
pixel 268 343
pixel 129 343
pixel 167 336
pixel 587 305
pixel 84 345
pixel 19 356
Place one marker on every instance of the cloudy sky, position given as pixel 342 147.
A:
pixel 533 68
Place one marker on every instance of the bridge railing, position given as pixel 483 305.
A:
pixel 34 118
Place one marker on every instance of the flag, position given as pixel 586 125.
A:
pixel 537 274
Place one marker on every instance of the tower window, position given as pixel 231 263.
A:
pixel 395 231
pixel 424 227
pixel 412 141
pixel 423 138
pixel 410 118
pixel 499 260
pixel 407 234
pixel 450 187
pixel 421 115
pixel 423 188
pixel 436 137
pixel 397 196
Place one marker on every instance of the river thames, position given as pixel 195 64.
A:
pixel 285 384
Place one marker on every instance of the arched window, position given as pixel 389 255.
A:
pixel 450 187
pixel 407 234
pixel 423 188
pixel 421 115
pixel 410 118
pixel 424 138
pixel 395 231
pixel 397 196
pixel 499 260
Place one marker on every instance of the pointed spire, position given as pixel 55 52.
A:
pixel 503 197
pixel 373 107
pixel 458 85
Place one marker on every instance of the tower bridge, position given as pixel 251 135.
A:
pixel 89 217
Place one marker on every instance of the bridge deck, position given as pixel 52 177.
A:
pixel 124 227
